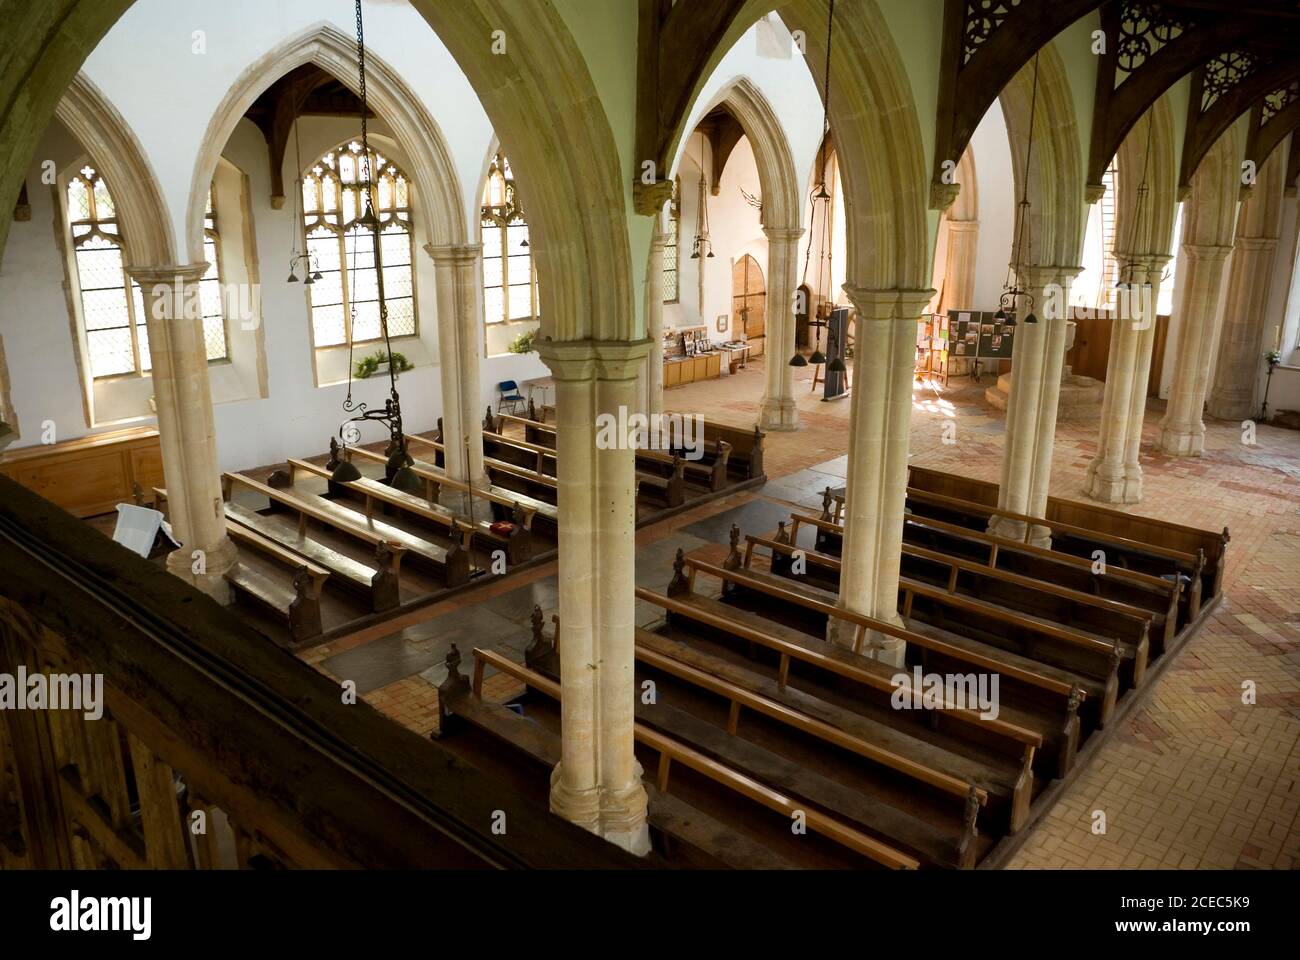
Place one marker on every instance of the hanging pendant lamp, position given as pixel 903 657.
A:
pixel 398 468
pixel 1012 289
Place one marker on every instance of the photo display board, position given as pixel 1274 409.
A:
pixel 976 335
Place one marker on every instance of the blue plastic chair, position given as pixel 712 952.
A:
pixel 508 393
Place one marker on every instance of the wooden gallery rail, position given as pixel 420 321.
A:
pixel 202 712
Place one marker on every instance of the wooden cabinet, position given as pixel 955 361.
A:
pixel 690 369
pixel 90 475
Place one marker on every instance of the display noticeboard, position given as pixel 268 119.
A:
pixel 976 335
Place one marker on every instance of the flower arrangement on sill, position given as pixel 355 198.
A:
pixel 1273 358
pixel 523 343
pixel 377 362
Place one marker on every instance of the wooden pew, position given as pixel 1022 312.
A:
pixel 521 453
pixel 1068 656
pixel 507 478
pixel 744 459
pixel 717 768
pixel 296 603
pixel 451 563
pixel 1041 697
pixel 1100 520
pixel 378 584
pixel 454 561
pixel 517 542
pixel 1081 614
pixel 1162 599
pixel 649 462
pixel 677 822
pixel 1078 541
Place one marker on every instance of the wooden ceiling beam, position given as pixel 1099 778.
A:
pixel 1235 96
pixel 979 55
pixel 675 45
pixel 1272 120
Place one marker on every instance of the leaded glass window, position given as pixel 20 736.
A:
pixel 670 245
pixel 345 300
pixel 509 276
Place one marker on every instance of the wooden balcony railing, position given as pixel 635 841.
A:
pixel 216 748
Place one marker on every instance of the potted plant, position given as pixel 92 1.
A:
pixel 377 362
pixel 523 343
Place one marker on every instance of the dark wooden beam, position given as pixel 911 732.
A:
pixel 1292 170
pixel 723 132
pixel 1207 121
pixel 1272 120
pixel 675 44
pixel 979 55
pixel 1149 67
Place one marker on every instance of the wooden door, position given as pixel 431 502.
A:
pixel 801 317
pixel 749 301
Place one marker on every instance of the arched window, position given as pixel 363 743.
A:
pixel 112 305
pixel 345 300
pixel 670 244
pixel 509 278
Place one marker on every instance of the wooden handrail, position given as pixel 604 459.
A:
pixel 726 776
pixel 190 688
pixel 502 465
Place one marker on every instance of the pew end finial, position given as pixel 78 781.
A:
pixel 734 560
pixel 679 584
pixel 540 647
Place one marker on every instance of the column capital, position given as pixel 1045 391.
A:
pixel 783 234
pixel 894 304
pixel 1207 252
pixel 579 360
pixel 1037 276
pixel 453 252
pixel 152 276
pixel 1256 243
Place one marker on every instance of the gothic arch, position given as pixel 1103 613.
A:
pixel 1054 234
pixel 1210 211
pixel 877 134
pixel 107 139
pixel 772 156
pixel 437 195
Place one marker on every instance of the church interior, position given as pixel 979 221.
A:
pixel 678 434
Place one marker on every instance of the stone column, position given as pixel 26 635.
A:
pixel 455 267
pixel 654 320
pixel 778 410
pixel 1241 342
pixel 876 488
pixel 597 783
pixel 1182 431
pixel 185 426
pixel 1037 362
pixel 1115 475
pixel 959 265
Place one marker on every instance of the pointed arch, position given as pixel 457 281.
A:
pixel 107 138
pixel 437 195
pixel 772 154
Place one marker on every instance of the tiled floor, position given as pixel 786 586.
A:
pixel 1197 778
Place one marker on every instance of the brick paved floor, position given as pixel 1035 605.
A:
pixel 1196 778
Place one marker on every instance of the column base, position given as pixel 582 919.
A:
pixel 875 645
pixel 617 816
pixel 1009 529
pixel 780 415
pixel 1104 485
pixel 216 561
pixel 1183 443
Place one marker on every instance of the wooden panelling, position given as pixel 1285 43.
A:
pixel 90 475
pixel 1091 351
